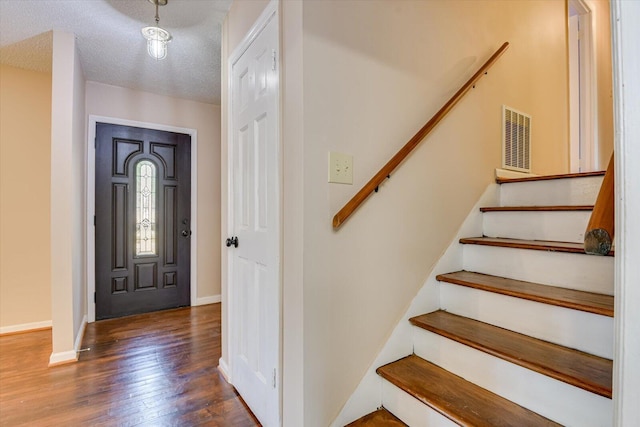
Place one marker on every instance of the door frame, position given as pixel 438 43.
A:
pixel 270 12
pixel 91 202
pixel 583 123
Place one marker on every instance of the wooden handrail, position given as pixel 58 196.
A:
pixel 386 170
pixel 601 229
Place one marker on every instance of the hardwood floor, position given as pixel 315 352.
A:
pixel 156 369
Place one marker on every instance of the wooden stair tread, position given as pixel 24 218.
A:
pixel 378 418
pixel 570 298
pixel 541 245
pixel 591 373
pixel 457 399
pixel 548 177
pixel 536 208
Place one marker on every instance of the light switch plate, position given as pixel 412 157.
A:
pixel 340 168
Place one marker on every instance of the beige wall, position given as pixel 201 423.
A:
pixel 362 78
pixel 25 139
pixel 122 103
pixel 604 84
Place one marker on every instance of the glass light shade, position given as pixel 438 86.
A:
pixel 157 39
pixel 157 49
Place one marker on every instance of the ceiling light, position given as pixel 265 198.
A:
pixel 157 38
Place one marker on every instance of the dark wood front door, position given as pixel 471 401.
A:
pixel 143 216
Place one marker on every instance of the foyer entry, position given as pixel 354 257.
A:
pixel 142 222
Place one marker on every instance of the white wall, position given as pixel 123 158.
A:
pixel 122 103
pixel 67 197
pixel 79 164
pixel 293 351
pixel 626 382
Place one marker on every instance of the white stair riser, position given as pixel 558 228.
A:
pixel 561 226
pixel 574 271
pixel 569 191
pixel 588 332
pixel 556 400
pixel 410 410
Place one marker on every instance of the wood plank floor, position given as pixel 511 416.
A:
pixel 155 369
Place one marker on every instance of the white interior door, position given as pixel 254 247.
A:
pixel 254 280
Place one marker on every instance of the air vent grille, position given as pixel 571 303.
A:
pixel 516 140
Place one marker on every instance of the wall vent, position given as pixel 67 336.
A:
pixel 516 140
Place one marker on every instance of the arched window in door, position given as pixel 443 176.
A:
pixel 146 222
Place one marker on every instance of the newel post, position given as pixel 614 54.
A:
pixel 600 231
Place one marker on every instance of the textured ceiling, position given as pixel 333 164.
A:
pixel 111 47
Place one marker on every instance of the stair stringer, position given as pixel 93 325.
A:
pixel 367 396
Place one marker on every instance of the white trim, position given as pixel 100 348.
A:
pixel 78 342
pixel 270 12
pixel 224 370
pixel 574 87
pixel 588 124
pixel 63 357
pixel 25 327
pixel 91 201
pixel 213 299
pixel 505 173
pixel 626 68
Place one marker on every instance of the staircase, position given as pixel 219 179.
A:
pixel 524 334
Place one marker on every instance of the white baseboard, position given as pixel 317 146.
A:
pixel 224 370
pixel 63 357
pixel 78 341
pixel 505 173
pixel 71 355
pixel 25 327
pixel 208 300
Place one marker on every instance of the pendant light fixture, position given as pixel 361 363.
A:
pixel 157 38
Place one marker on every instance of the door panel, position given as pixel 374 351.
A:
pixel 143 206
pixel 254 279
